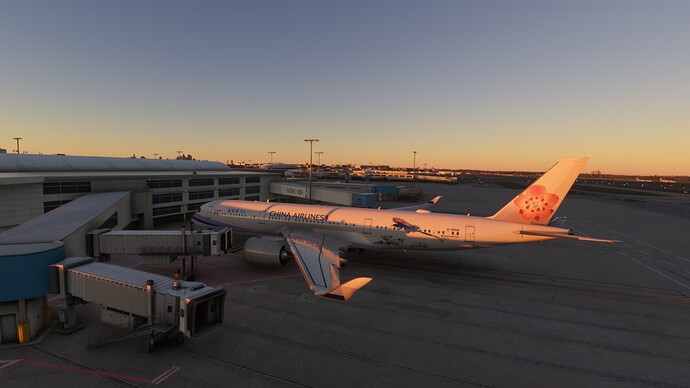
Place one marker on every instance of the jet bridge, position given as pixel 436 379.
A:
pixel 160 246
pixel 136 300
pixel 152 243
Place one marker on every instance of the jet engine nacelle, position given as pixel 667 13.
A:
pixel 267 251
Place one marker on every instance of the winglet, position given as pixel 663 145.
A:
pixel 424 205
pixel 435 199
pixel 347 290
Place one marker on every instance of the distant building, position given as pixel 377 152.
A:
pixel 280 166
pixel 375 167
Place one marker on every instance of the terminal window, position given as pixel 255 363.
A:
pixel 66 187
pixel 159 211
pixel 201 182
pixel 252 198
pixel 163 183
pixel 167 197
pixel 252 179
pixel 200 194
pixel 252 190
pixel 228 181
pixel 192 207
pixel 229 192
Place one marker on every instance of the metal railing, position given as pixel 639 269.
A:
pixel 118 332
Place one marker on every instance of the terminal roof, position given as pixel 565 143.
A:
pixel 57 163
pixel 63 221
pixel 27 249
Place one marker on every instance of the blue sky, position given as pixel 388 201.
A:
pixel 484 84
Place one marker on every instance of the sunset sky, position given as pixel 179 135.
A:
pixel 467 84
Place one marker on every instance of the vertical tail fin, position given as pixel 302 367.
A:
pixel 537 203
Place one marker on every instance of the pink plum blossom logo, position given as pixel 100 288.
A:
pixel 536 203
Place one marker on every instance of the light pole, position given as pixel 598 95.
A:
pixel 414 168
pixel 319 153
pixel 271 152
pixel 17 139
pixel 155 155
pixel 179 154
pixel 311 158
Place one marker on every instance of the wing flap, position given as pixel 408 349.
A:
pixel 317 256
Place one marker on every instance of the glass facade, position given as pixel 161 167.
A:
pixel 201 182
pixel 166 198
pixel 229 192
pixel 66 187
pixel 192 207
pixel 159 211
pixel 163 183
pixel 200 194
pixel 228 181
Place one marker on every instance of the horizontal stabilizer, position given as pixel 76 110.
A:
pixel 568 236
pixel 347 290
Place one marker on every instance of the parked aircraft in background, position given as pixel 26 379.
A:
pixel 315 235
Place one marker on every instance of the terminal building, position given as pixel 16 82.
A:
pixel 161 190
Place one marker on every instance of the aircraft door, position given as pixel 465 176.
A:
pixel 469 233
pixel 262 217
pixel 367 226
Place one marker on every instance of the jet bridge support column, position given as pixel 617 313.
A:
pixel 68 314
pixel 151 300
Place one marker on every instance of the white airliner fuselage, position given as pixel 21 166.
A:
pixel 371 228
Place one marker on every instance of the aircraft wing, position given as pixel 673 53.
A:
pixel 422 206
pixel 317 256
pixel 568 236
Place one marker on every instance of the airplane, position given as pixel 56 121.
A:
pixel 315 235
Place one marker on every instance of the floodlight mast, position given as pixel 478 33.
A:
pixel 17 139
pixel 311 159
